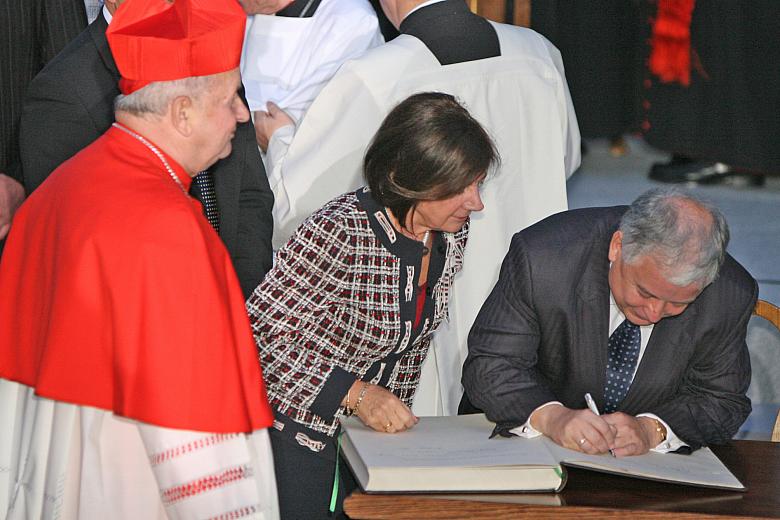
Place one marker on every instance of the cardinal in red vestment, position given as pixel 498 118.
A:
pixel 129 381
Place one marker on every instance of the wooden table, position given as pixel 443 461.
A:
pixel 596 495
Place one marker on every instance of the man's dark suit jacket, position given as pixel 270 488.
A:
pixel 34 31
pixel 542 335
pixel 70 104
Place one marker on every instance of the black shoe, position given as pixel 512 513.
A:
pixel 735 178
pixel 682 170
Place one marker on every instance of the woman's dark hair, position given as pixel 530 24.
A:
pixel 427 148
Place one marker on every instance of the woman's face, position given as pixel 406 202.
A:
pixel 451 213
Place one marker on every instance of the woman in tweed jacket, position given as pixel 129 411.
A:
pixel 344 319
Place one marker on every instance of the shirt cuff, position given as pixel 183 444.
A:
pixel 672 441
pixel 527 431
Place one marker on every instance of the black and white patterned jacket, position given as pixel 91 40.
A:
pixel 340 304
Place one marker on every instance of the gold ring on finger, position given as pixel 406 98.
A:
pixel 388 426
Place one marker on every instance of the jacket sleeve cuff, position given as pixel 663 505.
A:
pixel 333 391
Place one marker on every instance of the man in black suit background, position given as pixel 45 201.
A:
pixel 34 31
pixel 71 103
pixel 641 307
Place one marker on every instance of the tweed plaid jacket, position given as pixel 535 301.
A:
pixel 340 305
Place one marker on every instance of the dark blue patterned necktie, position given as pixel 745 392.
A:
pixel 624 346
pixel 208 196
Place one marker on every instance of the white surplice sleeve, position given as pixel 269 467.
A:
pixel 289 60
pixel 569 127
pixel 212 475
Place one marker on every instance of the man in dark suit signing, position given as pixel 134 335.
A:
pixel 71 103
pixel 641 307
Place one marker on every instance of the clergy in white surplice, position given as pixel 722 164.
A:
pixel 510 79
pixel 289 57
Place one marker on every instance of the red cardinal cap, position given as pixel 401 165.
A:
pixel 166 40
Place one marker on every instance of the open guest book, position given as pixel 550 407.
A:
pixel 456 454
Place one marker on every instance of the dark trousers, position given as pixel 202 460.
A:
pixel 304 480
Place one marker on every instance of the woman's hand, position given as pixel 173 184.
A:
pixel 382 411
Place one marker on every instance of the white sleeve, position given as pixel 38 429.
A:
pixel 672 442
pixel 340 38
pixel 569 127
pixel 273 159
pixel 289 60
pixel 527 431
pixel 210 475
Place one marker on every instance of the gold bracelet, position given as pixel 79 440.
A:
pixel 660 428
pixel 360 399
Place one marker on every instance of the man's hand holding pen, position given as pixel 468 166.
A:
pixel 585 431
pixel 580 430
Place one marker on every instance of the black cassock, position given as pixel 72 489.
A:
pixel 729 113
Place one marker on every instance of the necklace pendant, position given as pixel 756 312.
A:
pixel 426 249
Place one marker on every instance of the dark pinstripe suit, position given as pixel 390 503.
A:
pixel 542 336
pixel 70 104
pixel 32 32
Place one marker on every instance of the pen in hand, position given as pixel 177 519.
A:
pixel 593 408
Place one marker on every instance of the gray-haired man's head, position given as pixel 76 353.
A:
pixel 668 248
pixel 685 234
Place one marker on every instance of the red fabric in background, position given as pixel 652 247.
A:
pixel 670 58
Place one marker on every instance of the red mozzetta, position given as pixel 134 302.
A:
pixel 116 293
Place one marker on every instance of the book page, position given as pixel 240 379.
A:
pixel 701 467
pixel 460 441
